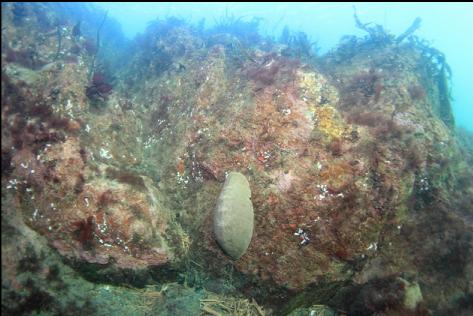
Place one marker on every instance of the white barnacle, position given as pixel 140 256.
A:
pixel 87 128
pixel 86 199
pixel 269 64
pixel 373 246
pixel 104 153
pixel 299 232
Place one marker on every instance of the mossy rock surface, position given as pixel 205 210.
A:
pixel 233 216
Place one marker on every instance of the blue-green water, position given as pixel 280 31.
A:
pixel 445 25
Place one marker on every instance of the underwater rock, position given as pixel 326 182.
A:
pixel 116 218
pixel 413 295
pixel 233 216
pixel 355 171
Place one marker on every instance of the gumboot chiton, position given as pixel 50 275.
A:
pixel 233 216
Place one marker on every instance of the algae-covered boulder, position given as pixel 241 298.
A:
pixel 233 216
pixel 413 295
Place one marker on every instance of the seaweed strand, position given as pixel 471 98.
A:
pixel 92 67
pixel 59 42
pixel 414 26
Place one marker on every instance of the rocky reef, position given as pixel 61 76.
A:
pixel 361 187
